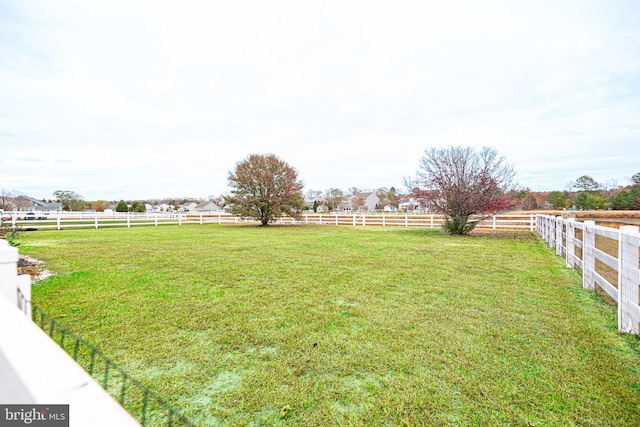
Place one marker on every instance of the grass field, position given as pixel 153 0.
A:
pixel 344 326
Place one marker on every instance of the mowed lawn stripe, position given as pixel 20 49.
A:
pixel 344 325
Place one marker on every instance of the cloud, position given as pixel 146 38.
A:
pixel 148 99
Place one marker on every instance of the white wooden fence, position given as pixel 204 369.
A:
pixel 62 220
pixel 609 258
pixel 34 370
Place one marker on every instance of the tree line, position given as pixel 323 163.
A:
pixel 459 182
pixel 586 194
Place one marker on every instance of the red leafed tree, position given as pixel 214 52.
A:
pixel 460 182
pixel 265 187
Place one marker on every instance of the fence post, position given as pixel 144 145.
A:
pixel 588 257
pixel 383 221
pixel 180 220
pixel 96 221
pixel 200 218
pixel 320 216
pixel 336 219
pixel 8 271
pixel 494 222
pixel 406 220
pixel 58 221
pixel 13 222
pixel 219 218
pixel 628 279
pixel 431 221
pixel 559 227
pixel 531 222
pixel 551 231
pixel 354 220
pixel 364 220
pixel 128 220
pixel 571 235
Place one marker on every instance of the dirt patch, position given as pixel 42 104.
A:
pixel 32 267
pixel 613 219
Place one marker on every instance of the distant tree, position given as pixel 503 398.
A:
pixel 585 200
pixel 529 203
pixel 356 202
pixel 265 187
pixel 100 205
pixel 219 200
pixel 557 200
pixel 137 207
pixel 334 198
pixel 635 179
pixel 387 197
pixel 71 201
pixel 354 190
pixel 586 183
pixel 315 205
pixel 627 200
pixel 462 181
pixel 6 199
pixel 122 206
pixel 313 194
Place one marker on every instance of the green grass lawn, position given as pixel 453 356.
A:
pixel 344 326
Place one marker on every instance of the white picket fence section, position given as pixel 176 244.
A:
pixel 602 253
pixel 62 220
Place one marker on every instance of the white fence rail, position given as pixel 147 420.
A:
pixel 34 369
pixel 609 258
pixel 62 220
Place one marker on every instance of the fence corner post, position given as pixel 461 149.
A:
pixel 588 256
pixel 628 279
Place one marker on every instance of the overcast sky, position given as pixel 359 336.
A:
pixel 149 99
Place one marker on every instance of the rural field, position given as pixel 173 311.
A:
pixel 335 326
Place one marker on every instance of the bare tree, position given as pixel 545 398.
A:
pixel 334 198
pixel 461 181
pixel 6 200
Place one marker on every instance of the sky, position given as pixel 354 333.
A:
pixel 153 99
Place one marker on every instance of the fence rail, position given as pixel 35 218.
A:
pixel 609 259
pixel 65 220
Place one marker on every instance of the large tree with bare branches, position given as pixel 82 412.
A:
pixel 265 187
pixel 461 182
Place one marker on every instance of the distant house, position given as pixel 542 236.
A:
pixel 189 207
pixel 408 204
pixel 310 200
pixel 25 203
pixel 364 201
pixel 208 206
